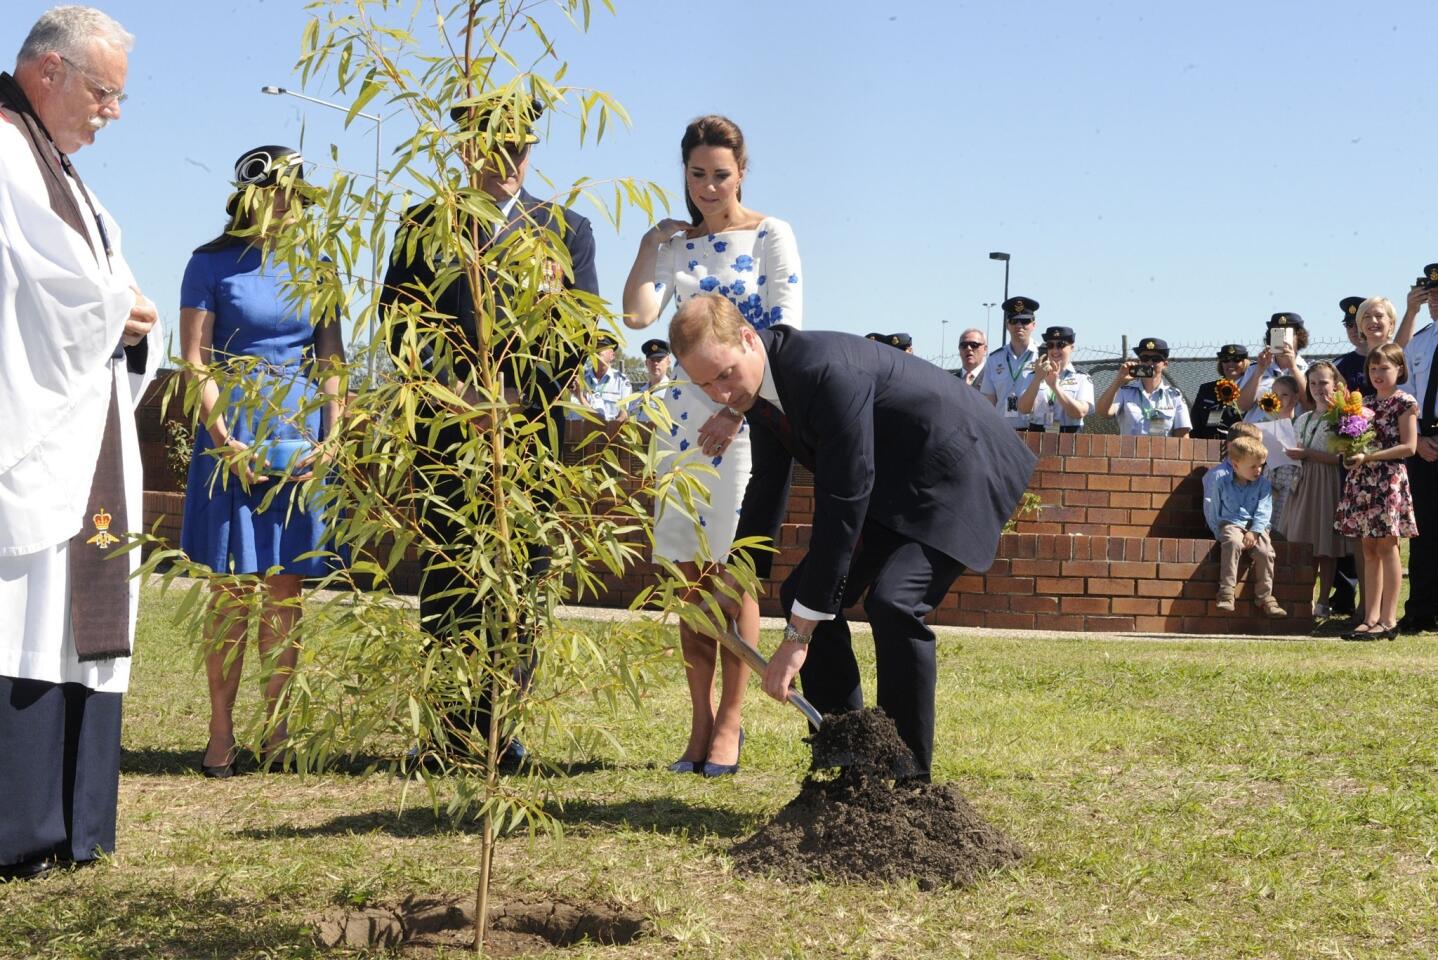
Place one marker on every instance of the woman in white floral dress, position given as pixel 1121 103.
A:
pixel 752 259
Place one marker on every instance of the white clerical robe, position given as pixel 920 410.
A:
pixel 62 312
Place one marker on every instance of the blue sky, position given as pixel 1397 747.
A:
pixel 1166 170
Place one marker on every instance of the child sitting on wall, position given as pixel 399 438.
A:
pixel 1238 505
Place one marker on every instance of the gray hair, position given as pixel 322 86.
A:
pixel 69 31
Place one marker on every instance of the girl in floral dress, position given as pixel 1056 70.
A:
pixel 752 259
pixel 1376 504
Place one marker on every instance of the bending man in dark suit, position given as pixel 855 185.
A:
pixel 447 606
pixel 915 475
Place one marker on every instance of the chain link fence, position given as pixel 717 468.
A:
pixel 1189 366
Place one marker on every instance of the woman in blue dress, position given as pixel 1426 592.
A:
pixel 235 310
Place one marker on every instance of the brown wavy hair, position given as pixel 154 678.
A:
pixel 711 131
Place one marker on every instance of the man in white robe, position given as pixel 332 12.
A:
pixel 78 342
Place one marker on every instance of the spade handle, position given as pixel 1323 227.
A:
pixel 736 644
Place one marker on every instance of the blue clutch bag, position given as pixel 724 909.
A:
pixel 284 456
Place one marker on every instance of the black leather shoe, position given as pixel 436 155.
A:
pixel 1412 625
pixel 29 870
pixel 221 772
pixel 514 758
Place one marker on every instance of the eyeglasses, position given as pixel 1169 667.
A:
pixel 105 95
pixel 970 345
pixel 1152 359
pixel 1019 321
pixel 1055 344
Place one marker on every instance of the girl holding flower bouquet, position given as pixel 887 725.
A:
pixel 1376 504
pixel 1280 404
pixel 1308 517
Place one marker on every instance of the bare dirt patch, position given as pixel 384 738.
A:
pixel 421 926
pixel 863 826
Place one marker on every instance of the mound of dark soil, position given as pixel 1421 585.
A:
pixel 862 826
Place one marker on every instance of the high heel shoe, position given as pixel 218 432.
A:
pixel 726 769
pixel 221 771
pixel 686 766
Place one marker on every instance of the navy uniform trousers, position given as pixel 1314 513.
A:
pixel 905 580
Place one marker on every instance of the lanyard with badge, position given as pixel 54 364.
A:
pixel 1155 420
pixel 1052 412
pixel 1011 404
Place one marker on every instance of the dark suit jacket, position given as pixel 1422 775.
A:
pixel 408 277
pixel 895 441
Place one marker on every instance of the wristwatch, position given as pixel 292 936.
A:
pixel 792 635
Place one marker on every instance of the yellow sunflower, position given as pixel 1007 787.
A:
pixel 1269 403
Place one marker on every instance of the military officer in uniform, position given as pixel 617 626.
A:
pixel 1350 365
pixel 1007 373
pixel 1232 365
pixel 1420 613
pixel 1142 402
pixel 656 365
pixel 1273 363
pixel 1057 395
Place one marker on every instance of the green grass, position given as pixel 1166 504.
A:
pixel 1183 798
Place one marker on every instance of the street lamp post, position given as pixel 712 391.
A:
pixel 1004 333
pixel 943 339
pixel 374 250
pixel 988 321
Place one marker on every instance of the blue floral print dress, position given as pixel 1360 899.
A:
pixel 758 270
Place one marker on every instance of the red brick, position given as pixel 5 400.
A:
pixel 1107 515
pixel 1110 587
pixel 1055 548
pixel 1009 621
pixel 1177 571
pixel 1084 605
pixel 1171 468
pixel 983 601
pixel 1108 624
pixel 1086 568
pixel 1035 568
pixel 1131 466
pixel 1064 621
pixel 1049 465
pixel 968 583
pixel 1109 482
pixel 1134 605
pixel 1056 514
pixel 1044 605
pixel 1009 585
pixel 1018 545
pixel 1160 588
pixel 1150 549
pixel 1041 528
pixel 1122 499
pixel 1155 624
pixel 1126 568
pixel 1168 550
pixel 1089 498
pixel 1151 484
pixel 1086 464
pixel 1147 517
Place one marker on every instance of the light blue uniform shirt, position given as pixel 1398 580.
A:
pixel 1155 414
pixel 1006 377
pixel 1048 412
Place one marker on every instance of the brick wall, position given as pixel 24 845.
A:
pixel 1118 545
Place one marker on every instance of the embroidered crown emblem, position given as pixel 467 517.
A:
pixel 103 537
pixel 1282 320
pixel 1352 308
pixel 1020 306
pixel 1433 274
pixel 1150 345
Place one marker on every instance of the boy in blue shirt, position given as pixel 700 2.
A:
pixel 1238 505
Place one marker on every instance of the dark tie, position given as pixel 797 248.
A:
pixel 1429 412
pixel 773 419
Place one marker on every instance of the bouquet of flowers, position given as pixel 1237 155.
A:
pixel 1227 393
pixel 1352 424
pixel 1269 403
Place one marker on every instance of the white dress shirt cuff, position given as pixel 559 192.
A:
pixel 799 610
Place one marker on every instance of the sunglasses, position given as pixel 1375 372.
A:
pixel 1055 344
pixel 1152 359
pixel 970 345
pixel 1349 323
pixel 1019 321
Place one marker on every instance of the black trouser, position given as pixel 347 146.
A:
pixel 1423 549
pixel 448 603
pixel 905 580
pixel 59 770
